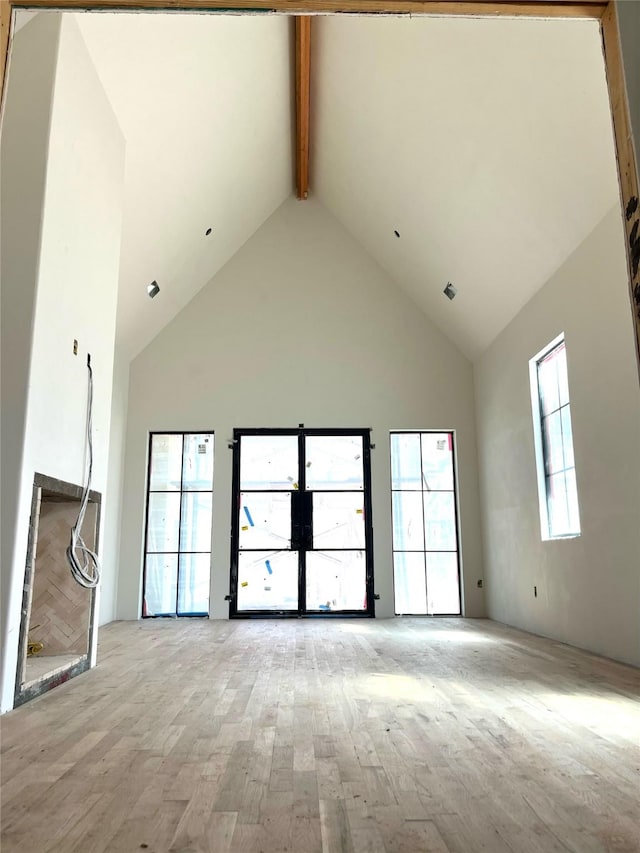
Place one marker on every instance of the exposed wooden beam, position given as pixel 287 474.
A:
pixel 303 65
pixel 627 166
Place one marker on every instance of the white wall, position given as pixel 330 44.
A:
pixel 110 547
pixel 23 160
pixel 301 326
pixel 588 587
pixel 76 296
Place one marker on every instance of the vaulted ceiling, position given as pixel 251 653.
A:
pixel 205 106
pixel 486 144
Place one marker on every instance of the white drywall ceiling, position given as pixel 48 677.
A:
pixel 486 143
pixel 205 105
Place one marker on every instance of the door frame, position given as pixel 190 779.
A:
pixel 301 432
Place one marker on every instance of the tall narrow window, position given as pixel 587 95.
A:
pixel 425 532
pixel 557 490
pixel 178 539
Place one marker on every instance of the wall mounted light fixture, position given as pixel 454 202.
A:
pixel 153 289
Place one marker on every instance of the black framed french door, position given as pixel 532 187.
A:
pixel 301 529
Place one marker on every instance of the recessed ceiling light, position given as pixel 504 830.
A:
pixel 153 289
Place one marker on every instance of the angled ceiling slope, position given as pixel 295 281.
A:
pixel 205 105
pixel 485 143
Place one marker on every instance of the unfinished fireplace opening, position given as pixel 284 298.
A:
pixel 56 631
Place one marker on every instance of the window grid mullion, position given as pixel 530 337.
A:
pixel 424 528
pixel 180 525
pixel 564 477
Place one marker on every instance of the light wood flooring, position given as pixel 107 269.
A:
pixel 396 736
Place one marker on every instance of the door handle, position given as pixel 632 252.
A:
pixel 301 521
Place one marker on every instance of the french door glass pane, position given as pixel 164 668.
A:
pixel 163 521
pixel 440 521
pixel 338 520
pixel 437 461
pixel 336 580
pixel 442 583
pixel 193 583
pixel 409 583
pixel 268 580
pixel 406 472
pixel 197 469
pixel 161 579
pixel 334 462
pixel 408 530
pixel 195 522
pixel 265 520
pixel 166 463
pixel 269 462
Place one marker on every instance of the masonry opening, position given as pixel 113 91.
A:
pixel 57 613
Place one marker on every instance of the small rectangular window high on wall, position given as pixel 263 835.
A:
pixel 426 572
pixel 553 436
pixel 177 563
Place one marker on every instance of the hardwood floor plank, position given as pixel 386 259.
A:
pixel 394 736
pixel 334 827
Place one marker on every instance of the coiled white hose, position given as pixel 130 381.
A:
pixel 84 563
